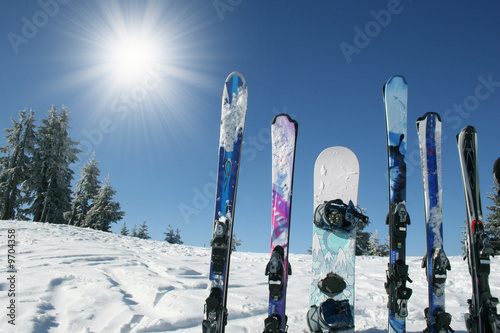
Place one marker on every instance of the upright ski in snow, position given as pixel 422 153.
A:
pixel 435 261
pixel 395 97
pixel 336 176
pixel 482 316
pixel 284 136
pixel 234 107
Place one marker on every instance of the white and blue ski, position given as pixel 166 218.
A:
pixel 234 107
pixel 435 261
pixel 395 94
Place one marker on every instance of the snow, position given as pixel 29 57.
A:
pixel 72 279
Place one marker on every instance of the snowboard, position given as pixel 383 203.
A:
pixel 395 93
pixel 435 262
pixel 331 300
pixel 482 316
pixel 284 136
pixel 234 107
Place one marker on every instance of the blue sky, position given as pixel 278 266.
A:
pixel 155 127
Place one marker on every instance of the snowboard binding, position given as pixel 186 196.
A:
pixel 275 271
pixel 213 306
pixel 335 215
pixel 330 316
pixel 219 245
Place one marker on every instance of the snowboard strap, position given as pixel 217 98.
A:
pixel 335 214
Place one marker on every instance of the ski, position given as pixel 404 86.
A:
pixel 331 300
pixel 435 261
pixel 284 136
pixel 234 107
pixel 482 316
pixel 395 93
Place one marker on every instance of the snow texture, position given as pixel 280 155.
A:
pixel 72 279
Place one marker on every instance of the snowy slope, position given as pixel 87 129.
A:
pixel 78 280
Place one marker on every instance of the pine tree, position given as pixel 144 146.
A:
pixel 374 247
pixel 173 237
pixel 133 232
pixel 124 231
pixel 86 188
pixel 143 231
pixel 104 210
pixel 16 166
pixel 492 226
pixel 52 176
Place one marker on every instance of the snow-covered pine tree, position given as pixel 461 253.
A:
pixel 104 210
pixel 173 237
pixel 124 231
pixel 16 165
pixel 52 176
pixel 492 225
pixel 143 231
pixel 374 248
pixel 86 188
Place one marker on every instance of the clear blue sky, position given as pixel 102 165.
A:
pixel 154 125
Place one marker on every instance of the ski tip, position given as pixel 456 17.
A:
pixel 290 120
pixel 429 114
pixel 470 130
pixel 396 78
pixel 238 74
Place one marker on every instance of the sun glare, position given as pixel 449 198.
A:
pixel 131 57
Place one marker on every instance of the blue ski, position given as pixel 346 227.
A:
pixel 435 261
pixel 234 107
pixel 395 97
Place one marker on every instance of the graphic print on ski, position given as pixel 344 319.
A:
pixel 234 107
pixel 331 300
pixel 395 94
pixel 284 137
pixel 482 316
pixel 435 261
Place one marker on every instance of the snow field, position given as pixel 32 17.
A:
pixel 71 279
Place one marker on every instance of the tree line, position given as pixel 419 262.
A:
pixel 35 179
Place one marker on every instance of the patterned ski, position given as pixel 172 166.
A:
pixel 395 97
pixel 284 136
pixel 234 107
pixel 435 261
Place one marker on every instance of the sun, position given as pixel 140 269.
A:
pixel 132 56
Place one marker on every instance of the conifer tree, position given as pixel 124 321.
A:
pixel 143 231
pixel 133 232
pixel 492 227
pixel 173 237
pixel 52 176
pixel 86 188
pixel 124 231
pixel 16 165
pixel 104 210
